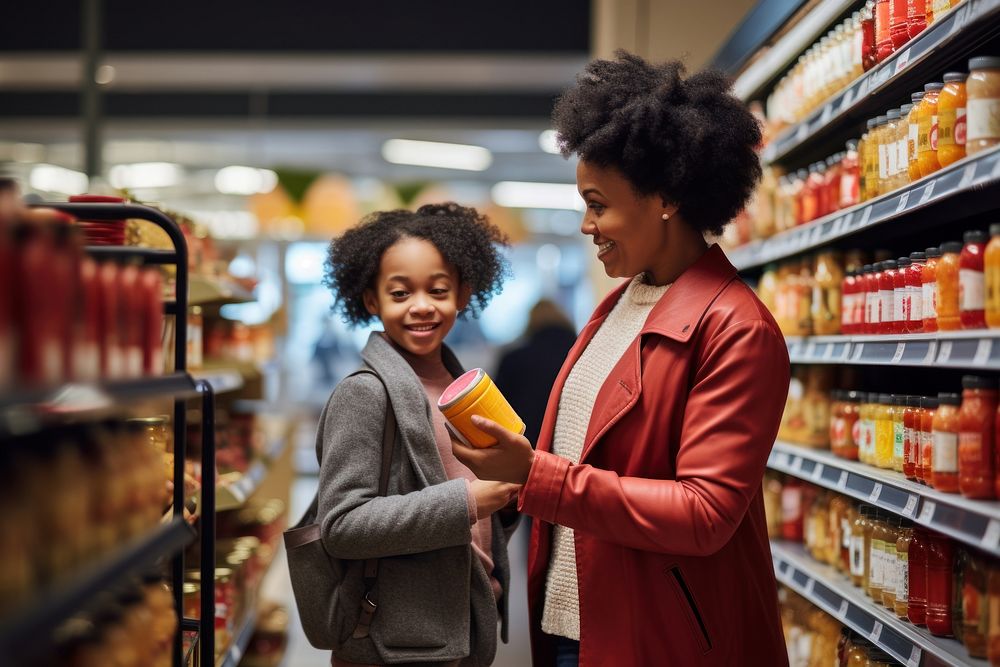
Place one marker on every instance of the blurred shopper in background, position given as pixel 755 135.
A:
pixel 528 370
pixel 652 547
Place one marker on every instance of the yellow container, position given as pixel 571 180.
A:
pixel 474 393
pixel 883 432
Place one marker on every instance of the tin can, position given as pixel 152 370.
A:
pixel 474 393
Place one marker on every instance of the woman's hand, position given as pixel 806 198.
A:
pixel 507 461
pixel 492 496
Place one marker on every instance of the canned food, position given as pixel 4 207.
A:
pixel 474 393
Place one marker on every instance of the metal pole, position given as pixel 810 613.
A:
pixel 90 93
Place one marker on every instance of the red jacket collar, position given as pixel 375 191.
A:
pixel 679 311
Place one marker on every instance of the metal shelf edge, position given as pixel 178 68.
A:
pixel 231 496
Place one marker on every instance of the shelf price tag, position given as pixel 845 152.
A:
pixel 810 587
pixel 828 351
pixel 931 352
pixel 945 354
pixel 817 234
pixel 876 632
pixel 927 511
pixel 817 473
pixel 810 350
pixel 903 201
pixel 911 505
pixel 928 193
pixel 842 612
pixel 848 221
pixel 858 351
pixel 866 216
pixel 914 660
pixel 900 349
pixel 781 460
pixel 842 482
pixel 991 538
pixel 983 351
pixel 847 100
pixel 876 492
pixel 968 175
pixel 961 18
pixel 902 62
pixel 797 464
pixel 827 114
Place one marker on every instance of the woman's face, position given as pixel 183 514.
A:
pixel 628 229
pixel 416 295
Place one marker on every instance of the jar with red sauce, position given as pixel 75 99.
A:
pixel 886 290
pixel 940 597
pixel 976 437
pixel 971 280
pixel 915 316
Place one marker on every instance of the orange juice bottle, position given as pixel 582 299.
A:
pixel 948 313
pixel 991 262
pixel 927 124
pixel 913 129
pixel 951 119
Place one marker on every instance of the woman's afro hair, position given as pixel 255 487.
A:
pixel 686 139
pixel 465 238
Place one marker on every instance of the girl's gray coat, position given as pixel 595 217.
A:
pixel 435 602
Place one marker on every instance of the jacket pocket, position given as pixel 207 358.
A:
pixel 687 602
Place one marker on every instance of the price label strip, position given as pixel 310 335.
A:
pixel 828 351
pixel 915 655
pixel 817 473
pixel 900 349
pixel 968 175
pixel 865 216
pixel 983 351
pixel 810 351
pixel 797 464
pixel 902 61
pixel 903 201
pixel 876 632
pixel 927 512
pixel 991 538
pixel 876 492
pixel 944 356
pixel 842 482
pixel 858 351
pixel 911 505
pixel 931 352
pixel 928 193
pixel 810 587
pixel 827 114
pixel 842 612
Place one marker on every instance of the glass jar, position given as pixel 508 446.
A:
pixel 948 287
pixel 940 562
pixel 944 473
pixel 791 510
pixel 913 138
pixel 858 551
pixel 901 296
pixel 830 201
pixel 991 277
pixel 972 288
pixel 975 606
pixel 976 437
pixel 957 585
pixel 898 432
pixel 983 104
pixel 883 431
pixel 925 464
pixel 797 190
pixel 882 155
pixel 811 193
pixel 816 403
pixel 916 17
pixel 890 562
pixel 916 608
pixel 928 284
pixel 868 527
pixel 915 313
pixel 876 553
pixel 927 123
pixel 911 437
pixel 867 296
pixel 951 119
pixel 848 297
pixel 828 275
pixel 883 34
pixel 902 602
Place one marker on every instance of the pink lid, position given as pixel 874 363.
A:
pixel 101 199
pixel 460 387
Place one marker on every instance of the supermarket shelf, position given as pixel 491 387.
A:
pixel 22 413
pixel 234 653
pixel 973 522
pixel 233 493
pixel 834 594
pixel 204 291
pixel 144 255
pixel 222 379
pixel 972 350
pixel 965 177
pixel 949 38
pixel 23 634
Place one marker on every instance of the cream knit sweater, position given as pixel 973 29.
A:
pixel 561 614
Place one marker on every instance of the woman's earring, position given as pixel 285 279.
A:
pixel 665 216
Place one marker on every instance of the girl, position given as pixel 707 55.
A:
pixel 438 534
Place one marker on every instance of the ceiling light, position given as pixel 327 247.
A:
pixel 436 154
pixel 238 180
pixel 50 178
pixel 145 175
pixel 548 141
pixel 519 194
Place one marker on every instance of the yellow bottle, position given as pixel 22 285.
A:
pixel 991 263
pixel 883 431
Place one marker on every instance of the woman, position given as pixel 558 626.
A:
pixel 652 547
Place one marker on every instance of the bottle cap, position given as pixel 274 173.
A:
pixel 951 247
pixel 978 382
pixel 929 402
pixel 933 87
pixel 892 114
pixel 906 109
pixel 946 398
pixel 903 261
pixel 975 236
pixel 951 77
pixel 889 265
pixel 984 62
pixel 919 256
pixel 933 252
pixel 995 229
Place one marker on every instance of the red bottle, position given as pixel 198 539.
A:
pixel 64 289
pixel 976 437
pixel 940 563
pixel 899 28
pixel 39 351
pixel 130 318
pixel 812 193
pixel 901 296
pixel 925 464
pixel 916 609
pixel 916 17
pixel 869 51
pixel 883 35
pixel 831 184
pixel 873 300
pixel 971 281
pixel 928 283
pixel 847 286
pixel 850 176
pixel 886 291
pixel 112 363
pixel 911 436
pixel 996 457
pixel 86 355
pixel 915 319
pixel 151 285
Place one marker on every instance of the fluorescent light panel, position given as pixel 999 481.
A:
pixel 520 194
pixel 236 180
pixel 145 175
pixel 50 178
pixel 437 154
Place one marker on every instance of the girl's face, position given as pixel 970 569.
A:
pixel 417 296
pixel 628 229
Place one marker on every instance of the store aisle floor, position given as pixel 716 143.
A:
pixel 301 654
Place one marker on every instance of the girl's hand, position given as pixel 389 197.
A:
pixel 507 461
pixel 492 496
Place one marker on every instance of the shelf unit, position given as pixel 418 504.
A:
pixel 216 291
pixel 241 641
pixel 81 590
pixel 974 181
pixel 972 522
pixel 234 492
pixel 222 380
pixel 977 350
pixel 833 593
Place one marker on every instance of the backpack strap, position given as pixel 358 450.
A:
pixel 369 601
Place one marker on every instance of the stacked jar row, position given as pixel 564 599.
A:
pixel 920 575
pixel 947 288
pixel 864 40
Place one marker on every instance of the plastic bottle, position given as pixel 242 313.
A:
pixel 903 544
pixel 976 438
pixel 903 146
pixel 869 50
pixel 887 288
pixel 883 34
pixel 899 29
pixel 916 17
pixel 891 140
pixel 929 408
pixel 911 436
pixel 944 473
pixel 948 289
pixel 791 510
pixel 898 431
pixel 883 431
pixel 991 277
pixel 915 319
pixel 871 275
pixel 972 288
pixel 952 126
pixel 927 139
pixel 901 296
pixel 882 155
pixel 916 609
pixel 913 138
pixel 858 554
pixel 928 283
pixel 869 161
pixel 983 104
pixel 940 562
pixel 850 176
